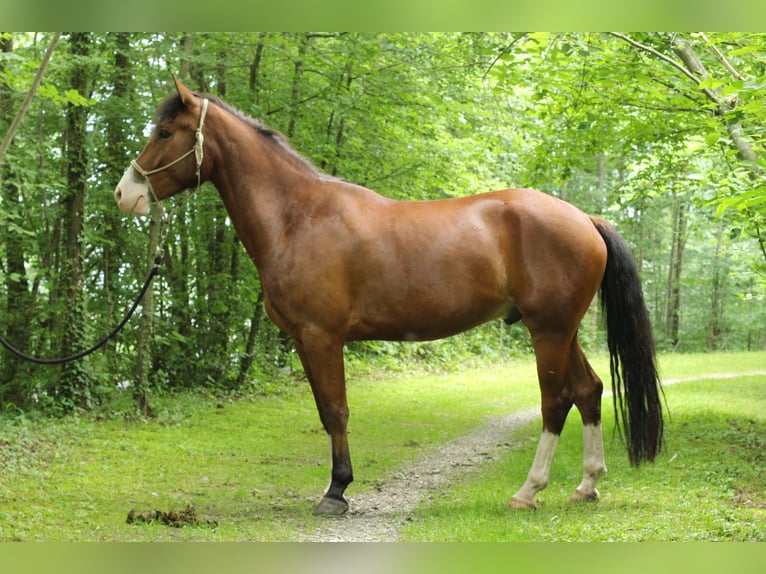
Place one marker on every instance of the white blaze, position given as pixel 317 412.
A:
pixel 132 193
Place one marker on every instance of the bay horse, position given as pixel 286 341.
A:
pixel 338 262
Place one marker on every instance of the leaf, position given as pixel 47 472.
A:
pixel 710 84
pixel 712 138
pixel 20 230
pixel 743 201
pixel 76 99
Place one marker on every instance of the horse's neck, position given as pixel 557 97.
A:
pixel 260 189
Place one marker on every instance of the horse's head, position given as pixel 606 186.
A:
pixel 171 160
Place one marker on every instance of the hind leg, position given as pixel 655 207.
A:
pixel 587 388
pixel 552 362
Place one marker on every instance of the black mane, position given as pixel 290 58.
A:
pixel 173 105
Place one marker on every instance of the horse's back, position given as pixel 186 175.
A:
pixel 447 265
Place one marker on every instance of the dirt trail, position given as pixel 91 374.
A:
pixel 378 516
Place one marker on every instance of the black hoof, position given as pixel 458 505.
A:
pixel 331 507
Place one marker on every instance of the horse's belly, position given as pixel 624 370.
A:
pixel 426 323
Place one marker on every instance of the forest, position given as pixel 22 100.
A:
pixel 660 133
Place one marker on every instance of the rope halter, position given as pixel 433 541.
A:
pixel 196 149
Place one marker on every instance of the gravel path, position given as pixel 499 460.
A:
pixel 378 516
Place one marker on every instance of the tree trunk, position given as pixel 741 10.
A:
pixel 116 157
pixel 141 381
pixel 335 133
pixel 694 69
pixel 717 297
pixel 74 385
pixel 218 281
pixel 295 90
pixel 672 324
pixel 18 306
pixel 28 99
pixel 252 338
pixel 285 342
pixel 15 320
pixel 172 357
pixel 736 133
pixel 255 66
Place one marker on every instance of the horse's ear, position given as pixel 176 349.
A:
pixel 185 93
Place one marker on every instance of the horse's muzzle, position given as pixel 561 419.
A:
pixel 132 194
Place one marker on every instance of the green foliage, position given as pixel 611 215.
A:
pixel 589 117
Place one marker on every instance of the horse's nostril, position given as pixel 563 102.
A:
pixel 118 195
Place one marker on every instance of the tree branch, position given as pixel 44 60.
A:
pixel 28 99
pixel 659 55
pixel 683 69
pixel 721 58
pixel 502 53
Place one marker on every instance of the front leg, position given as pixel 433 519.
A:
pixel 322 359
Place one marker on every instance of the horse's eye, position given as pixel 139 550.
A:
pixel 164 134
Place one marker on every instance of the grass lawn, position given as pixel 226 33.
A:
pixel 708 485
pixel 256 466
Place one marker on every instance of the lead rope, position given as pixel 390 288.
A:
pixel 153 272
pixel 166 219
pixel 59 360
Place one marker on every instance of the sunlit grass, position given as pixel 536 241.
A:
pixel 709 484
pixel 257 465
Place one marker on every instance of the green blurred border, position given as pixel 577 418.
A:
pixel 535 558
pixel 382 15
pixel 390 15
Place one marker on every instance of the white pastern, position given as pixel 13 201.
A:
pixel 537 479
pixel 132 194
pixel 593 464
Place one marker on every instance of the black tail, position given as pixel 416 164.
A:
pixel 635 381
